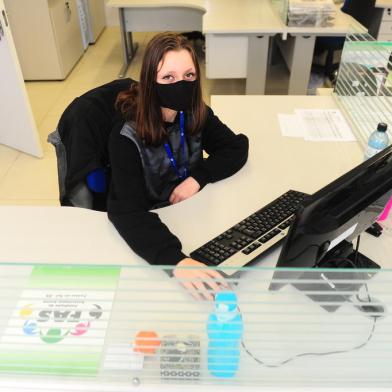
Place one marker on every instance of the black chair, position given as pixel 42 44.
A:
pixel 80 140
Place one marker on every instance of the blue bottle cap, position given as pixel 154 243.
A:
pixel 227 298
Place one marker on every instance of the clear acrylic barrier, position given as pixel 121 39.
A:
pixel 137 326
pixel 281 7
pixel 306 13
pixel 364 85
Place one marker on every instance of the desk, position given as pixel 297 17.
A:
pixel 298 49
pixel 303 166
pixel 383 3
pixel 71 235
pixel 381 25
pixel 235 30
pixel 239 29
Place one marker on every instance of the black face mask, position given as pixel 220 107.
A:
pixel 176 96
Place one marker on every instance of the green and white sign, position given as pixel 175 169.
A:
pixel 60 321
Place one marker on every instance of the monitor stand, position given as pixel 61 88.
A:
pixel 344 256
pixel 326 283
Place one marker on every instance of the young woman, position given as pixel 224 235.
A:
pixel 156 155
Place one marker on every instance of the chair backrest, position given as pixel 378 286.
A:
pixel 81 140
pixel 361 10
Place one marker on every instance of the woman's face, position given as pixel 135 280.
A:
pixel 176 65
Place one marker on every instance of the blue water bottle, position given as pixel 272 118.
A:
pixel 378 140
pixel 225 329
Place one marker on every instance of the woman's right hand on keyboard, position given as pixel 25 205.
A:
pixel 198 279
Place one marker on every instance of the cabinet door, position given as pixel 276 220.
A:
pixel 66 29
pixel 97 18
pixel 387 15
pixel 17 129
pixel 226 56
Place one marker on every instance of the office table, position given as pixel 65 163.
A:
pixel 154 15
pixel 383 3
pixel 235 30
pixel 240 30
pixel 67 235
pixel 298 49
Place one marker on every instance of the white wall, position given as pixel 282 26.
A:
pixel 111 16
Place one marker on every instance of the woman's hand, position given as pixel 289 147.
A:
pixel 184 190
pixel 197 279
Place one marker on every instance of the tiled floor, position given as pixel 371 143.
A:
pixel 28 180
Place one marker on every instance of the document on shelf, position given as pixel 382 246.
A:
pixel 324 125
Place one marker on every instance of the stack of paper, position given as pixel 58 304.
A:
pixel 316 125
pixel 317 13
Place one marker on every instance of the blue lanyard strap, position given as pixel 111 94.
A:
pixel 184 172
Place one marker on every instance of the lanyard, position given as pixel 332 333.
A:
pixel 183 173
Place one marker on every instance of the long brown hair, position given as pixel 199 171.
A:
pixel 140 103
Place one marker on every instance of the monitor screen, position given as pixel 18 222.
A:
pixel 332 217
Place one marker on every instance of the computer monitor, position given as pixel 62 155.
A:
pixel 334 216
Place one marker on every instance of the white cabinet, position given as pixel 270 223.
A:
pixel 385 28
pixel 92 20
pixel 226 56
pixel 47 37
pixel 18 129
pixel 97 18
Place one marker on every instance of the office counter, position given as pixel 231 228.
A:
pixel 276 164
pixel 278 325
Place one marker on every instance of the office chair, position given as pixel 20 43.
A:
pixel 195 36
pixel 80 141
pixel 362 11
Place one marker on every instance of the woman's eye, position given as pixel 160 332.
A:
pixel 190 75
pixel 168 77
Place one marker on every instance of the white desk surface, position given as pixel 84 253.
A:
pixel 343 25
pixel 221 16
pixel 276 164
pixel 197 4
pixel 245 16
pixel 384 3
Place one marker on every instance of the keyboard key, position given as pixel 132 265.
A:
pixel 274 233
pixel 248 232
pixel 251 248
pixel 257 234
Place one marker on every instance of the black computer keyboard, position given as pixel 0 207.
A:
pixel 252 236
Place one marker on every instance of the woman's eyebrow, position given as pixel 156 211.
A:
pixel 166 72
